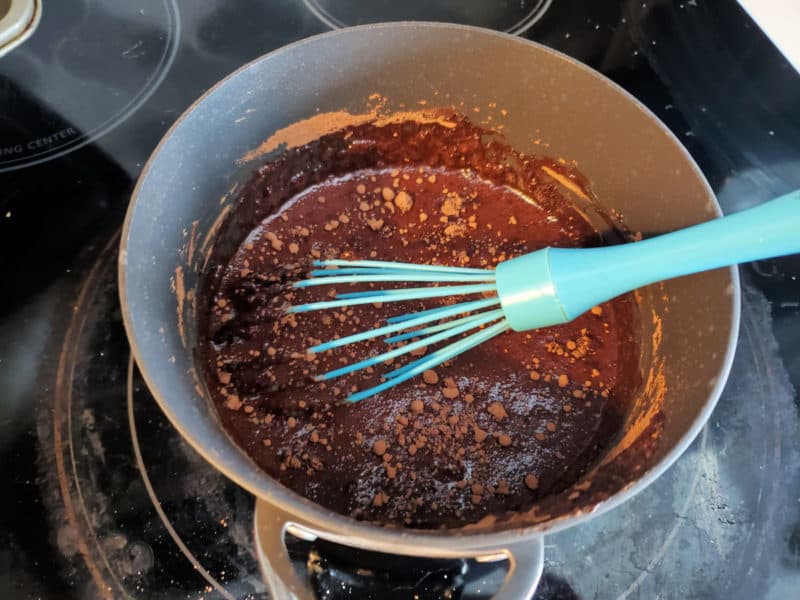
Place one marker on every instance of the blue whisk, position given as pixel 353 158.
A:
pixel 543 288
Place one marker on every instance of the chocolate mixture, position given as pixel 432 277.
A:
pixel 490 432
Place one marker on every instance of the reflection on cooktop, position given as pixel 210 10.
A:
pixel 90 65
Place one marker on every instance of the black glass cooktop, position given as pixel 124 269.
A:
pixel 102 497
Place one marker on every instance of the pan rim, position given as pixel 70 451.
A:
pixel 420 542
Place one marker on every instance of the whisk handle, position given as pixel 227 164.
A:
pixel 585 277
pixel 555 285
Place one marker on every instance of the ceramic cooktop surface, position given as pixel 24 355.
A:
pixel 104 499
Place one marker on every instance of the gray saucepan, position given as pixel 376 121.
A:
pixel 636 167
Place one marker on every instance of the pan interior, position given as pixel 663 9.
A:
pixel 549 105
pixel 524 415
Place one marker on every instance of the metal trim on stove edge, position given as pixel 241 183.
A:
pixel 19 23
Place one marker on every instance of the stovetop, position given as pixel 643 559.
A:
pixel 104 499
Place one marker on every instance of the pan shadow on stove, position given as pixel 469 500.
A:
pixel 337 571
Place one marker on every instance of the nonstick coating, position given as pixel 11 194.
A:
pixel 636 167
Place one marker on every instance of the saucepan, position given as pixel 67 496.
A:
pixel 552 105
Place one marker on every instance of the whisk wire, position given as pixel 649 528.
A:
pixel 445 322
pixel 390 275
pixel 413 320
pixel 380 264
pixel 420 293
pixel 432 329
pixel 423 343
pixel 419 366
pixel 373 296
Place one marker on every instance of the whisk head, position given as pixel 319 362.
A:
pixel 427 328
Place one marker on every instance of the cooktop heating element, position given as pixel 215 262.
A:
pixel 87 69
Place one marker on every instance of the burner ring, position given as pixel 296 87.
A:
pixel 154 498
pixel 48 133
pixel 518 27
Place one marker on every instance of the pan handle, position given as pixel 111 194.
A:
pixel 525 558
pixel 525 566
pixel 271 526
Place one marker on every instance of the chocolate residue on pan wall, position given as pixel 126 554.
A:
pixel 179 289
pixel 649 402
pixel 447 142
pixel 307 130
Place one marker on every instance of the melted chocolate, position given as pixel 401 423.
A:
pixel 493 431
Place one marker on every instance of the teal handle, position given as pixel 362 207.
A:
pixel 583 278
